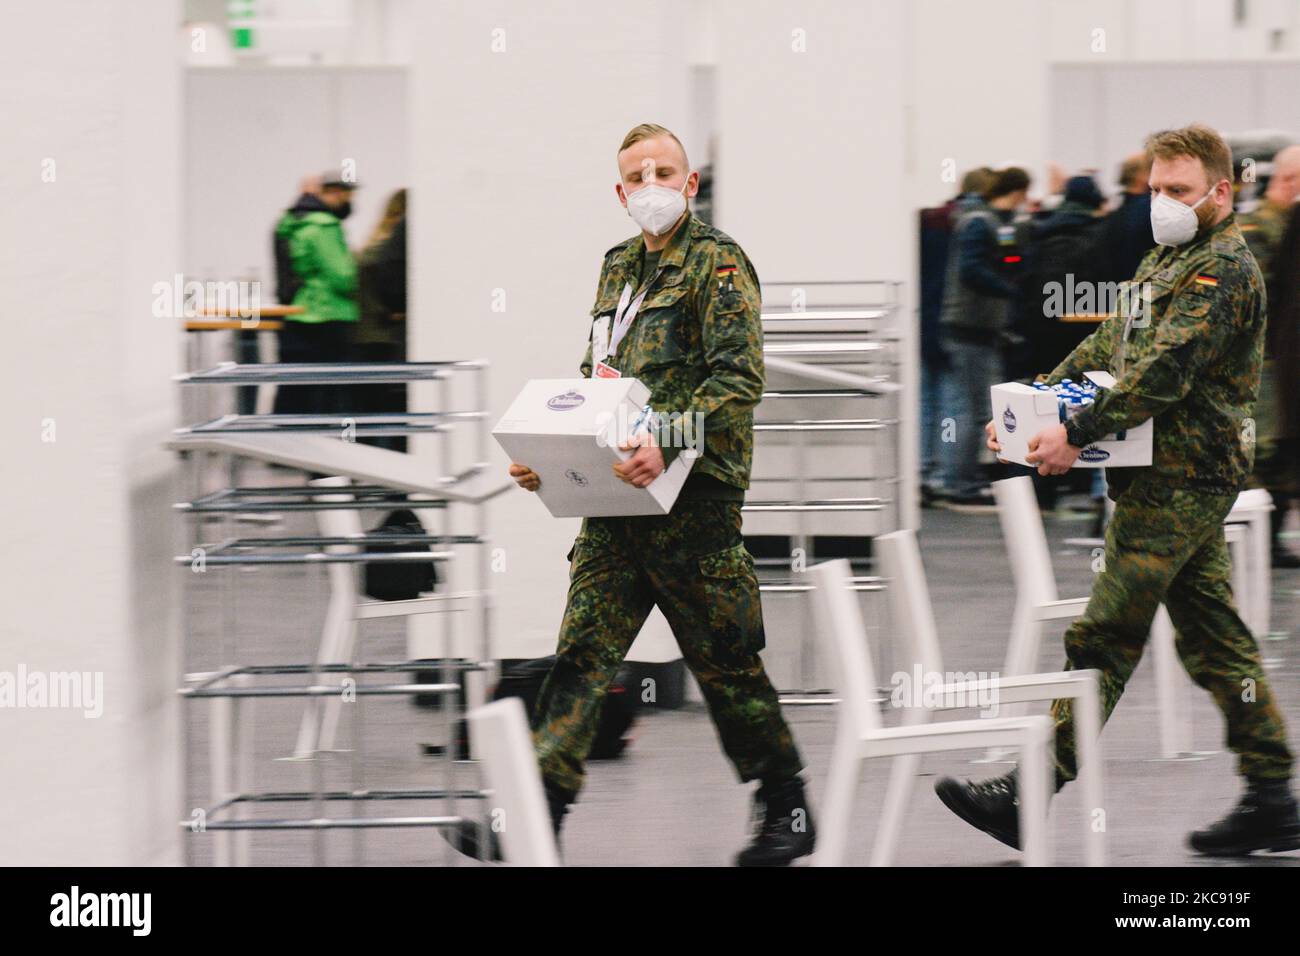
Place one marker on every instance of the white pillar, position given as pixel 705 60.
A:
pixel 89 99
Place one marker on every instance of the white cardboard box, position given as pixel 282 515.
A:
pixel 1022 411
pixel 568 430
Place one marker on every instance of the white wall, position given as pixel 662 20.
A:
pixel 89 584
pixel 976 91
pixel 252 133
pixel 1169 30
pixel 1102 112
pixel 1082 81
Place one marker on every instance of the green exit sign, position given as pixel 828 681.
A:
pixel 237 11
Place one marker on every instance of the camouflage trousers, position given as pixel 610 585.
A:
pixel 1165 545
pixel 693 564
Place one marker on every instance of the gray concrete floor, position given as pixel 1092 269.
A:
pixel 673 799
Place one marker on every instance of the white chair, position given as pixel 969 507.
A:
pixel 1254 597
pixel 860 735
pixel 1031 570
pixel 913 620
pixel 346 607
pixel 517 805
pixel 1173 687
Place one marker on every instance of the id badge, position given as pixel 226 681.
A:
pixel 600 339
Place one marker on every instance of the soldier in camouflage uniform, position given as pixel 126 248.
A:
pixel 697 343
pixel 1190 359
pixel 1263 229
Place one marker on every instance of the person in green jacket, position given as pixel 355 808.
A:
pixel 316 270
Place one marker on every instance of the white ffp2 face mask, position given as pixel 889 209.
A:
pixel 1173 222
pixel 655 208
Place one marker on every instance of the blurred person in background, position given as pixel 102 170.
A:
pixel 1265 230
pixel 1064 251
pixel 1063 259
pixel 314 269
pixel 1126 232
pixel 980 287
pixel 936 234
pixel 380 333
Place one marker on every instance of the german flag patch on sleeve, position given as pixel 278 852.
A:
pixel 1207 281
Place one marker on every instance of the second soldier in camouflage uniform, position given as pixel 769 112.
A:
pixel 1190 359
pixel 697 343
pixel 1263 229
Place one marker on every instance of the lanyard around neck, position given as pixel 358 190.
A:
pixel 628 307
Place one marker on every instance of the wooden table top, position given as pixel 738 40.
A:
pixel 244 325
pixel 265 311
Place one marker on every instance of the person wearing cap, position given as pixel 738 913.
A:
pixel 1065 253
pixel 315 270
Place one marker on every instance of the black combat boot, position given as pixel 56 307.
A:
pixel 990 805
pixel 1264 819
pixel 783 825
pixel 557 801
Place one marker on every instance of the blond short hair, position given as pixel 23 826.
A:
pixel 649 131
pixel 1197 141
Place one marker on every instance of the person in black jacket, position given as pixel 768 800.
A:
pixel 1126 232
pixel 1063 276
pixel 936 234
pixel 980 288
pixel 1067 254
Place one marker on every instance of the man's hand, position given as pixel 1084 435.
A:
pixel 993 444
pixel 644 466
pixel 524 477
pixel 1051 451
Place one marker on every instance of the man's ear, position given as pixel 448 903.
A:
pixel 622 196
pixel 693 184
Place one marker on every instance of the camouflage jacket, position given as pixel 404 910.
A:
pixel 1191 360
pixel 1263 230
pixel 696 343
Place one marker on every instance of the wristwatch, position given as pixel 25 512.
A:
pixel 1073 434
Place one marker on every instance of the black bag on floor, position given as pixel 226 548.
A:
pixel 399 582
pixel 618 713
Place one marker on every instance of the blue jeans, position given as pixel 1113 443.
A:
pixel 973 369
pixel 932 404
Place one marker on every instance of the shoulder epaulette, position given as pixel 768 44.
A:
pixel 620 247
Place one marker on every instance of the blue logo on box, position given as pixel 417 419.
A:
pixel 1009 419
pixel 1094 454
pixel 565 401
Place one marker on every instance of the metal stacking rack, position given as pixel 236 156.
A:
pixel 828 456
pixel 382 480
